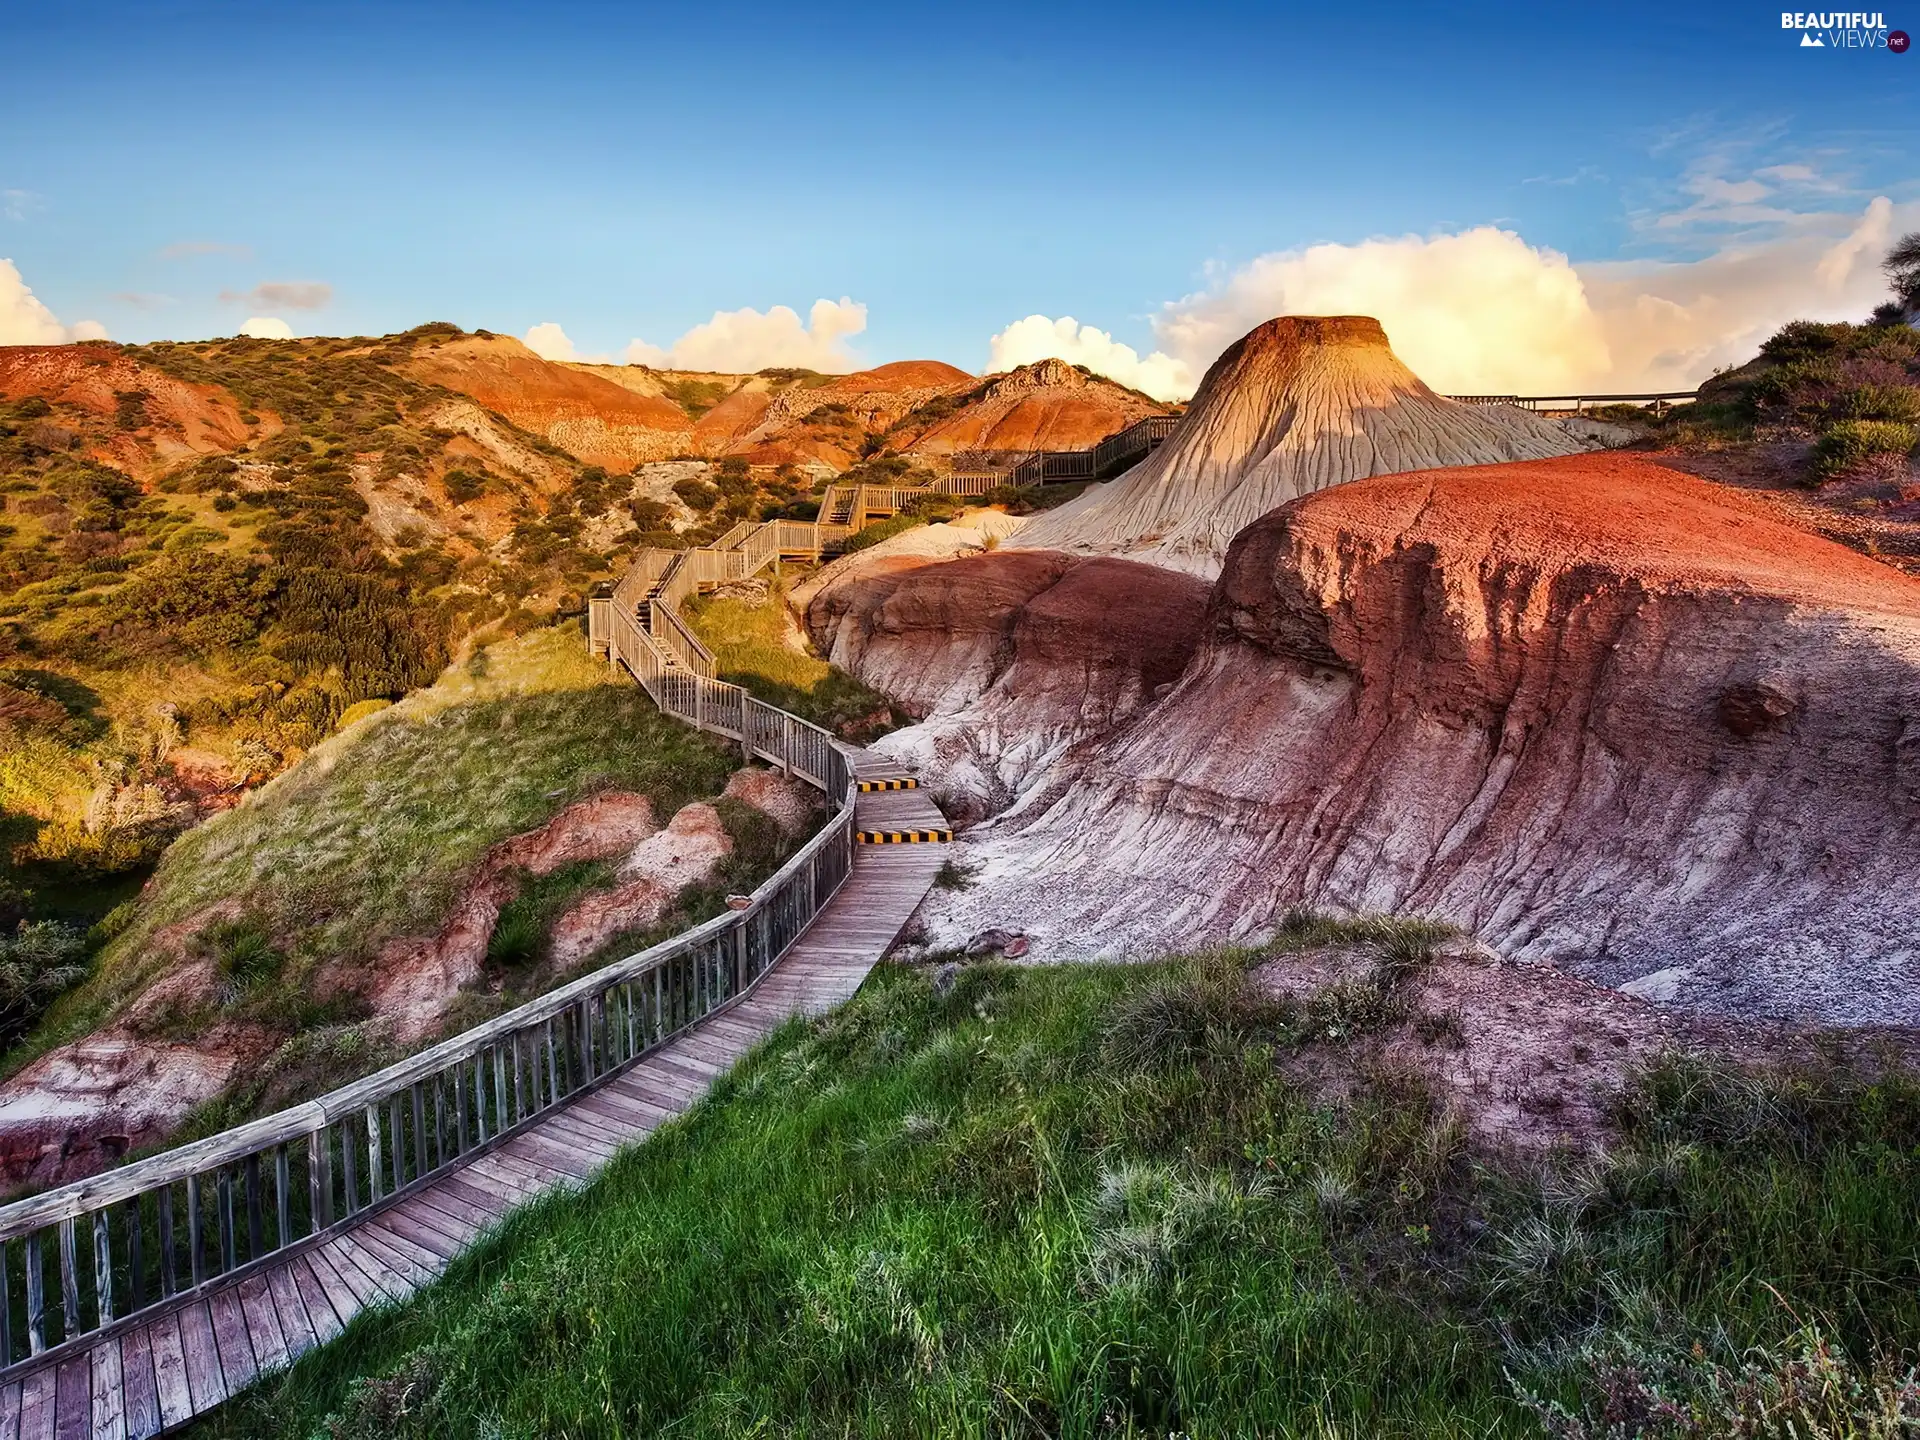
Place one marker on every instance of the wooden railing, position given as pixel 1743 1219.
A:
pixel 88 1258
pixel 1117 452
pixel 1655 400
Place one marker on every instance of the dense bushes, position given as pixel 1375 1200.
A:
pixel 1854 388
pixel 38 963
pixel 1847 443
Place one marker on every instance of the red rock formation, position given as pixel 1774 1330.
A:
pixel 594 419
pixel 1595 711
pixel 1014 655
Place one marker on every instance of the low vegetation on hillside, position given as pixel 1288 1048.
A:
pixel 179 624
pixel 1156 1200
pixel 1853 389
pixel 294 893
pixel 757 645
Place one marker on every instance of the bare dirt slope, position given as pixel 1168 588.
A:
pixel 1594 711
pixel 1298 404
pixel 590 417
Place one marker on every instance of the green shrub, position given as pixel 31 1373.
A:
pixel 520 934
pixel 696 495
pixel 243 953
pixel 463 486
pixel 1897 403
pixel 1850 442
pixel 361 710
pixel 884 530
pixel 38 963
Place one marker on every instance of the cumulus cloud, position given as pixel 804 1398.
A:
pixel 267 327
pixel 747 339
pixel 283 295
pixel 550 342
pixel 25 320
pixel 1039 338
pixel 1668 326
pixel 1485 312
pixel 1478 311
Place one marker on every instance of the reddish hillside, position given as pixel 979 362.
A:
pixel 1049 405
pixel 832 422
pixel 166 420
pixel 592 418
pixel 1598 712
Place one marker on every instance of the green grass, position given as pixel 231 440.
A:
pixel 1101 1201
pixel 372 834
pixel 757 645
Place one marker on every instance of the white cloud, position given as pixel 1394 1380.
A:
pixel 1478 311
pixel 24 320
pixel 1039 338
pixel 18 204
pixel 1484 312
pixel 746 339
pixel 550 342
pixel 267 327
pixel 1669 326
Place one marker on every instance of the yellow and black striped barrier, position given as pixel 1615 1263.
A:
pixel 902 837
pixel 868 786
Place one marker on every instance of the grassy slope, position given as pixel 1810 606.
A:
pixel 752 648
pixel 1091 1201
pixel 371 834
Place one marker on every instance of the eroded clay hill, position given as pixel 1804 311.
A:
pixel 618 416
pixel 1598 712
pixel 1048 405
pixel 1010 658
pixel 585 414
pixel 120 412
pixel 1296 405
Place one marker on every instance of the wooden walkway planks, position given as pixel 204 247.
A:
pixel 184 1361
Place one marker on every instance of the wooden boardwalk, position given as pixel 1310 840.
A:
pixel 182 1361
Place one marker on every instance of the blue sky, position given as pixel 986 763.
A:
pixel 625 171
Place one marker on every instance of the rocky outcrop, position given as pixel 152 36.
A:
pixel 1048 405
pixel 585 414
pixel 1594 711
pixel 1301 403
pixel 649 881
pixel 127 414
pixel 1013 657
pixel 85 1106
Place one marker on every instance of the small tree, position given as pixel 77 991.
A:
pixel 1903 269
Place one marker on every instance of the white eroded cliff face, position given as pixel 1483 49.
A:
pixel 1595 711
pixel 1301 403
